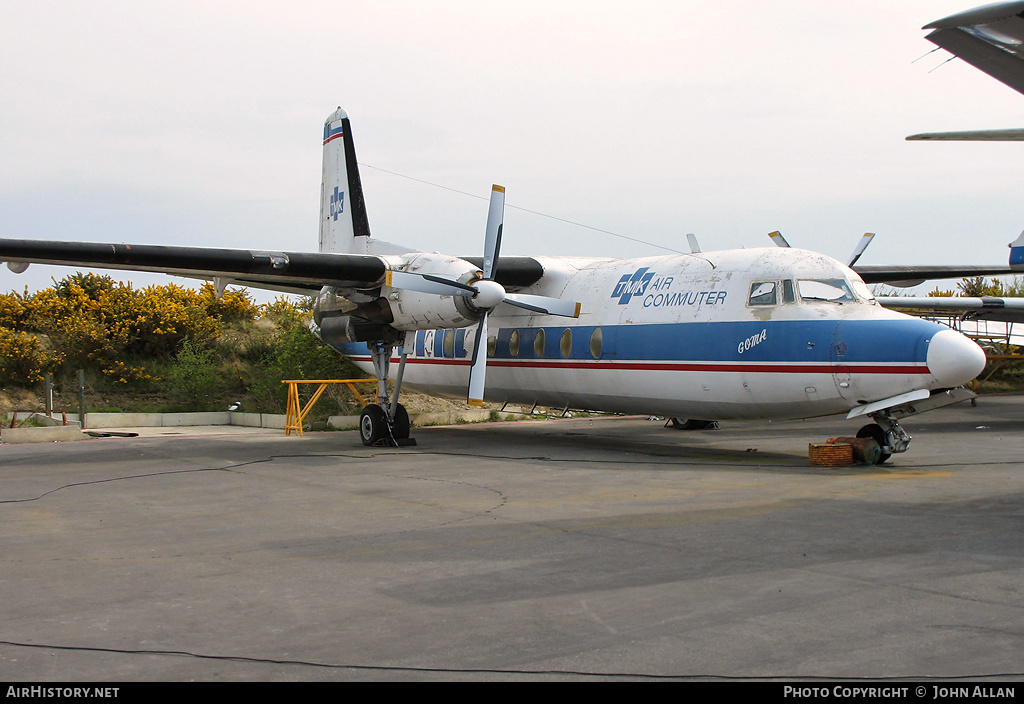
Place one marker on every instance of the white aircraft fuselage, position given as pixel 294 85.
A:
pixel 683 336
pixel 749 333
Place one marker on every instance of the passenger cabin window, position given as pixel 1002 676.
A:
pixel 763 293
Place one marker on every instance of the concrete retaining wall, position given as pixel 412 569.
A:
pixel 251 420
pixel 56 433
pixel 172 420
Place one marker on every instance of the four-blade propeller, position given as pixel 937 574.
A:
pixel 485 294
pixel 780 241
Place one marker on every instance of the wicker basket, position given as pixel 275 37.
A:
pixel 838 454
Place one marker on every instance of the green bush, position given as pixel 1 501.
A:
pixel 195 377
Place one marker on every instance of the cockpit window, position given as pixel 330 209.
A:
pixel 862 290
pixel 834 290
pixel 763 293
pixel 788 292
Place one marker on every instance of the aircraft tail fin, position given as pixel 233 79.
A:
pixel 344 226
pixel 1017 253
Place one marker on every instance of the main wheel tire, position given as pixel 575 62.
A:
pixel 373 424
pixel 875 432
pixel 691 424
pixel 401 427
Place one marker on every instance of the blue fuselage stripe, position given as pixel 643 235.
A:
pixel 765 342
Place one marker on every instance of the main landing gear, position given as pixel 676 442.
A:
pixel 692 424
pixel 385 423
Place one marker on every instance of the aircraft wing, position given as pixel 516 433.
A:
pixel 302 273
pixel 1009 135
pixel 990 38
pixel 904 276
pixel 291 272
pixel 1010 310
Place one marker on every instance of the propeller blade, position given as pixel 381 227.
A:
pixel 427 283
pixel 492 240
pixel 478 367
pixel 861 246
pixel 491 292
pixel 544 304
pixel 778 239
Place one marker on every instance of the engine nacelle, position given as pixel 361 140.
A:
pixel 413 310
pixel 346 329
pixel 341 321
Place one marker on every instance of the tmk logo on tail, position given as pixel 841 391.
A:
pixel 337 203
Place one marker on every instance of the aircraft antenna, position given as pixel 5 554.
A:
pixel 527 210
pixel 952 58
pixel 926 54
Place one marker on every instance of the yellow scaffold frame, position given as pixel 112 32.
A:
pixel 296 412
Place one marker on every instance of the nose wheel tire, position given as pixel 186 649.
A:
pixel 875 432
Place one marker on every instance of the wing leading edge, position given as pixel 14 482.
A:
pixel 290 272
pixel 299 271
pixel 904 276
pixel 1008 310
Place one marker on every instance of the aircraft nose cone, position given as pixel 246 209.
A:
pixel 954 359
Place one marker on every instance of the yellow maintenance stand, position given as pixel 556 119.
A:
pixel 296 412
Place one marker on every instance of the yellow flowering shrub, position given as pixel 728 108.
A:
pixel 14 310
pixel 95 322
pixel 232 307
pixel 284 310
pixel 22 358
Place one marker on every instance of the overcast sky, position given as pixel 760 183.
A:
pixel 200 123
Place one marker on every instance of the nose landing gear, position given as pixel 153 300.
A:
pixel 888 433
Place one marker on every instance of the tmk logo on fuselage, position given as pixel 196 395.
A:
pixel 337 203
pixel 636 284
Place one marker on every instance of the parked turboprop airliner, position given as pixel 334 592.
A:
pixel 764 333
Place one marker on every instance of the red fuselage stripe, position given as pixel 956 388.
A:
pixel 759 367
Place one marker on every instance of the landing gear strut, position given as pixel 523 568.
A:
pixel 886 431
pixel 385 423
